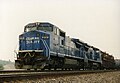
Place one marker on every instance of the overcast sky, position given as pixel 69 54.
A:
pixel 96 22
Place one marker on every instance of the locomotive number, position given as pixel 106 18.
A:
pixel 35 41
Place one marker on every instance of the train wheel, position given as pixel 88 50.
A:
pixel 66 69
pixel 28 69
pixel 55 68
pixel 43 69
pixel 35 69
pixel 69 69
pixel 49 68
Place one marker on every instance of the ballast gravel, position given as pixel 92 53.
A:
pixel 107 77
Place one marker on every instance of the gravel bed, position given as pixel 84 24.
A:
pixel 108 77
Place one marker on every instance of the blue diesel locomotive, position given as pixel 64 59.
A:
pixel 43 45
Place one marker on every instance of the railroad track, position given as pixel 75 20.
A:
pixel 6 76
pixel 18 71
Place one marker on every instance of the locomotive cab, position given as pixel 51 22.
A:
pixel 34 47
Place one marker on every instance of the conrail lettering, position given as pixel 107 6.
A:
pixel 32 38
pixel 29 38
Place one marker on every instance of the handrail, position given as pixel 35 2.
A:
pixel 46 47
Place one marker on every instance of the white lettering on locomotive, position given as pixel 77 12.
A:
pixel 30 40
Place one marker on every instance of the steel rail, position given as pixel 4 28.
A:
pixel 28 71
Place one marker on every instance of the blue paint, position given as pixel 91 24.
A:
pixel 33 40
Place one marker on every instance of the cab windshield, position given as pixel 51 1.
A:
pixel 31 29
pixel 45 28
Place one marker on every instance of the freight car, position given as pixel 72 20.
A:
pixel 43 45
pixel 108 61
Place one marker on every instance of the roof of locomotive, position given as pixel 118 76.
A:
pixel 37 31
pixel 39 24
pixel 29 25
